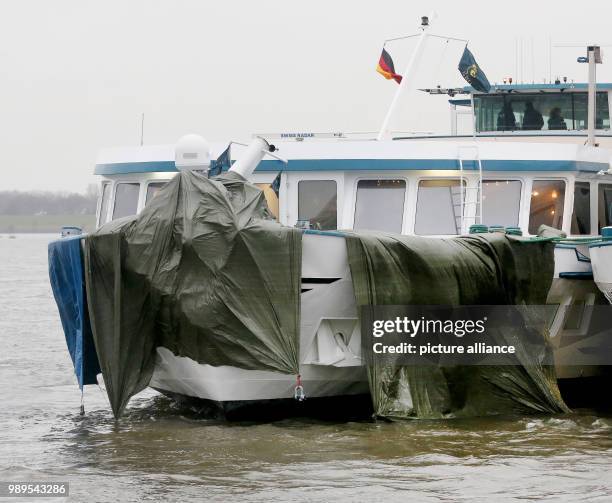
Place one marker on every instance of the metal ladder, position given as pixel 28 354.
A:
pixel 470 153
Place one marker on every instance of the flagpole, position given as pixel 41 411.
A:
pixel 407 77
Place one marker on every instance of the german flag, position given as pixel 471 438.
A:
pixel 386 68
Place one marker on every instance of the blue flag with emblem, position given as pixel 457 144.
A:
pixel 223 161
pixel 472 72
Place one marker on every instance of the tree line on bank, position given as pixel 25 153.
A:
pixel 48 203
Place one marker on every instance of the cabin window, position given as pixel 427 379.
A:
pixel 538 112
pixel 318 203
pixel 439 207
pixel 380 205
pixel 546 208
pixel 604 205
pixel 271 198
pixel 153 189
pixel 602 116
pixel 581 216
pixel 105 199
pixel 501 200
pixel 126 199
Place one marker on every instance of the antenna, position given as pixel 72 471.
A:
pixel 142 129
pixel 516 73
pixel 549 60
pixel 522 61
pixel 532 63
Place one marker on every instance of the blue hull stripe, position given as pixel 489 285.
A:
pixel 369 165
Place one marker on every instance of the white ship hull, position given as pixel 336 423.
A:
pixel 601 258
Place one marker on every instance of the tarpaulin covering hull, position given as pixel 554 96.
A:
pixel 68 285
pixel 476 270
pixel 203 271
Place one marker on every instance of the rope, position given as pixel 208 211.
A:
pixel 435 79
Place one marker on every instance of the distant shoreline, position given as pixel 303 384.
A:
pixel 44 224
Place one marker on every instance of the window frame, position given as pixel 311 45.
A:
pixel 597 226
pixel 509 179
pixel 146 190
pixel 317 179
pixel 138 201
pixel 573 199
pixel 567 217
pixel 465 179
pixel 100 218
pixel 405 205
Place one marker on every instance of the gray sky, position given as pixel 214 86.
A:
pixel 76 75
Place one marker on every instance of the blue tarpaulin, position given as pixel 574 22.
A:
pixel 67 282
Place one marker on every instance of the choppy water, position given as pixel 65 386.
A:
pixel 161 453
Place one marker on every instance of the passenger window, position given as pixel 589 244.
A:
pixel 581 216
pixel 106 191
pixel 501 200
pixel 439 207
pixel 546 207
pixel 152 190
pixel 318 203
pixel 126 199
pixel 380 205
pixel 271 198
pixel 604 205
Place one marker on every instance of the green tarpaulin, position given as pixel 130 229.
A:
pixel 490 269
pixel 203 271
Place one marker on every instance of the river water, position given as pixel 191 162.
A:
pixel 159 452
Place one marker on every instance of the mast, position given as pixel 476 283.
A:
pixel 407 77
pixel 593 57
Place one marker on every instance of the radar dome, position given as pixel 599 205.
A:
pixel 192 152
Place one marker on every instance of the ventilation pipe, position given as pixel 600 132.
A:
pixel 254 153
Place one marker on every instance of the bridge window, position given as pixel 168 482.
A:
pixel 380 205
pixel 126 199
pixel 318 203
pixel 581 217
pixel 547 198
pixel 604 205
pixel 501 200
pixel 555 111
pixel 438 207
pixel 105 199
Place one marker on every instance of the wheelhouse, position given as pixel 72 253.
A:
pixel 540 108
